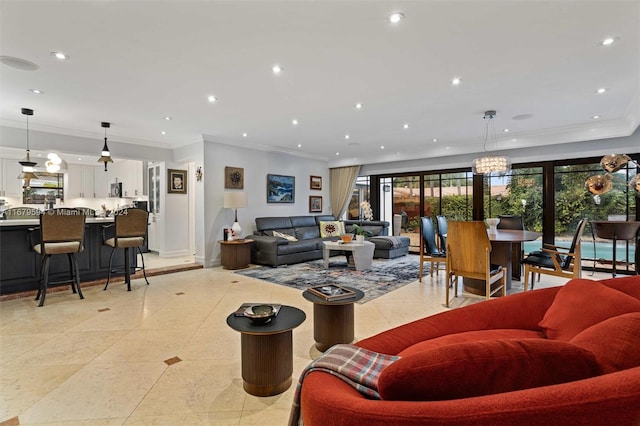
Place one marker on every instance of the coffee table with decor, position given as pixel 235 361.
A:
pixel 267 351
pixel 362 253
pixel 333 319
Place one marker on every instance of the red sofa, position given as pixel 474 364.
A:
pixel 566 355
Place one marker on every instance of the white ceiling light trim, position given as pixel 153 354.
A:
pixel 60 55
pixel 395 17
pixel 609 41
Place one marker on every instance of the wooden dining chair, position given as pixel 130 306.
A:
pixel 469 256
pixel 555 260
pixel 429 251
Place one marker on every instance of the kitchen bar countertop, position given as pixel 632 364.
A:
pixel 20 265
pixel 36 222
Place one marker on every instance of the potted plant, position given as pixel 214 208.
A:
pixel 359 233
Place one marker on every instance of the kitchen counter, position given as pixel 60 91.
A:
pixel 20 265
pixel 36 222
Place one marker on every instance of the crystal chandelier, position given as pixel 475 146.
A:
pixel 490 163
pixel 601 184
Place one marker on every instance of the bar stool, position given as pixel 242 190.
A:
pixel 130 230
pixel 61 232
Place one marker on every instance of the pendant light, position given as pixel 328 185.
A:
pixel 106 155
pixel 490 163
pixel 27 165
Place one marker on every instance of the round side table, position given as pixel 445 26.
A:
pixel 235 254
pixel 332 320
pixel 267 351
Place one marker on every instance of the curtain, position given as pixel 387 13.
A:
pixel 342 180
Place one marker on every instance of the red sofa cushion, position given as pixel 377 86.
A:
pixel 582 303
pixel 615 342
pixel 629 284
pixel 486 367
pixel 471 336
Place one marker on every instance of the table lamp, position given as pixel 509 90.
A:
pixel 235 200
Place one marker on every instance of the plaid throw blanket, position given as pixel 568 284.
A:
pixel 359 367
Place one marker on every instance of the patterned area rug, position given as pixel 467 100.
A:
pixel 385 275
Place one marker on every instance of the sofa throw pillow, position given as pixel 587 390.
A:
pixel 615 342
pixel 331 229
pixel 582 303
pixel 469 369
pixel 285 236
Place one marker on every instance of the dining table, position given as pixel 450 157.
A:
pixel 618 230
pixel 503 242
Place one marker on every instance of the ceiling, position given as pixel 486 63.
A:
pixel 539 64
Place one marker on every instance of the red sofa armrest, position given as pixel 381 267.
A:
pixel 520 311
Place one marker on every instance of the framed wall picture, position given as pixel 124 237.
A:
pixel 281 189
pixel 177 181
pixel 315 182
pixel 315 204
pixel 233 178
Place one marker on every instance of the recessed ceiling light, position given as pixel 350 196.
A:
pixel 595 117
pixel 299 145
pixel 513 140
pixel 601 90
pixel 337 153
pixel 167 118
pixel 37 91
pixel 405 126
pixel 212 98
pixel 506 130
pixel 358 105
pixel 381 146
pixel 59 55
pixel 294 122
pixel 456 81
pixel 163 132
pixel 79 158
pixel 609 41
pixel 448 147
pixel 244 135
pixel 434 140
pixel 347 136
pixel 395 17
pixel 277 69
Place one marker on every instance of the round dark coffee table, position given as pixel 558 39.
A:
pixel 267 351
pixel 332 320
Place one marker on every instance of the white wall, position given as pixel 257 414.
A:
pixel 257 164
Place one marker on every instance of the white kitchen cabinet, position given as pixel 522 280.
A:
pixel 130 174
pixel 79 182
pixel 102 181
pixel 10 185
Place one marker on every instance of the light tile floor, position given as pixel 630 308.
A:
pixel 101 360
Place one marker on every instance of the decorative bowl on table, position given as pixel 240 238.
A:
pixel 346 238
pixel 260 314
